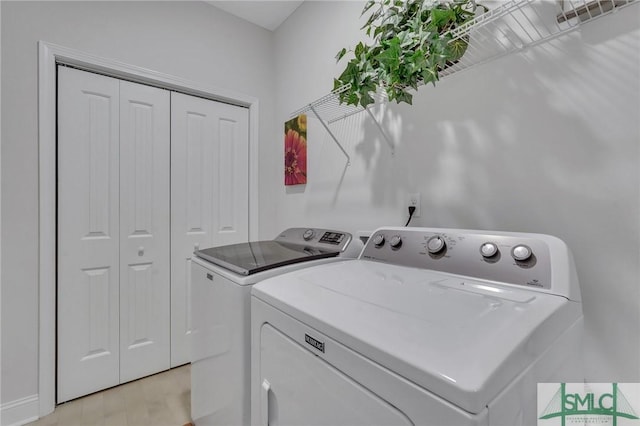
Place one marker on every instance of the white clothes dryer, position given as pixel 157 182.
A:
pixel 221 280
pixel 428 326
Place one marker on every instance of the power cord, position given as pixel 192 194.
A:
pixel 412 210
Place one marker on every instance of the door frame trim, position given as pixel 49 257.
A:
pixel 49 55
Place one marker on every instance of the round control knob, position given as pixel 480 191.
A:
pixel 435 244
pixel 395 241
pixel 308 234
pixel 521 252
pixel 378 240
pixel 488 249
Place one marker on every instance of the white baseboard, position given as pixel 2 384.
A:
pixel 20 411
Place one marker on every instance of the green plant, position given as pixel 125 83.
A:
pixel 412 42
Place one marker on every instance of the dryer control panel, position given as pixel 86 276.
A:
pixel 511 258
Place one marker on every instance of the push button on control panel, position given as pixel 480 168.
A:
pixel 521 252
pixel 488 250
pixel 395 241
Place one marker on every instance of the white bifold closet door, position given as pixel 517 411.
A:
pixel 209 195
pixel 145 293
pixel 113 232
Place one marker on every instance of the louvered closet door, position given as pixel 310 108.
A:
pixel 144 231
pixel 209 195
pixel 88 233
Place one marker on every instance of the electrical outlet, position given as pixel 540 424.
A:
pixel 413 199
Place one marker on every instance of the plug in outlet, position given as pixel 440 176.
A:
pixel 413 199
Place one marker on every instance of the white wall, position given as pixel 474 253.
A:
pixel 546 141
pixel 191 40
pixel 0 199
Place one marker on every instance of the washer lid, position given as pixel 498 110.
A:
pixel 252 257
pixel 461 339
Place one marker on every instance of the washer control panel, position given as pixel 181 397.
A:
pixel 319 238
pixel 512 258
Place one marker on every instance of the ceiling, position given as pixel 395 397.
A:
pixel 268 14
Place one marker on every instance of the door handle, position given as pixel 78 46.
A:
pixel 196 246
pixel 141 251
pixel 264 402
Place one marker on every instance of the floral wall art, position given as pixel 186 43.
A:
pixel 295 151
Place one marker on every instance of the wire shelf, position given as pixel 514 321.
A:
pixel 330 108
pixel 520 24
pixel 509 28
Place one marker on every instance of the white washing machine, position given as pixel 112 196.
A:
pixel 221 280
pixel 428 326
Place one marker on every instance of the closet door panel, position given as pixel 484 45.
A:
pixel 88 233
pixel 231 183
pixel 144 231
pixel 191 209
pixel 209 201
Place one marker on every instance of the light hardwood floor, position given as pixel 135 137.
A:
pixel 163 399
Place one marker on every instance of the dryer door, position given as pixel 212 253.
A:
pixel 299 388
